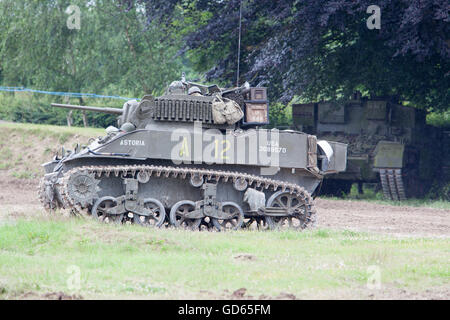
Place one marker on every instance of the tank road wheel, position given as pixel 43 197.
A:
pixel 292 204
pixel 99 211
pixel 235 220
pixel 157 216
pixel 178 212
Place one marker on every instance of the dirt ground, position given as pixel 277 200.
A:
pixel 385 219
pixel 19 196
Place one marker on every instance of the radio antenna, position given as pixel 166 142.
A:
pixel 239 43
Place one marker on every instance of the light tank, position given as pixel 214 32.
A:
pixel 389 144
pixel 194 158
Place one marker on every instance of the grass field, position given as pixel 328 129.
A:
pixel 38 256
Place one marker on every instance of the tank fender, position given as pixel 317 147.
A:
pixel 49 167
pixel 334 156
pixel 327 151
pixel 326 148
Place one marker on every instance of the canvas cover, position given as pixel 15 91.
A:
pixel 226 111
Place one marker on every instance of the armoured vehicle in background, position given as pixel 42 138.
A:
pixel 388 143
pixel 194 158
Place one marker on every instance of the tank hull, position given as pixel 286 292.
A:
pixel 161 166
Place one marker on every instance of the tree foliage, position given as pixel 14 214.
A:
pixel 114 51
pixel 323 49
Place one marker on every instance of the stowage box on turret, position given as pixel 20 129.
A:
pixel 194 157
pixel 387 143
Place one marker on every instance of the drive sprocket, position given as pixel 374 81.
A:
pixel 81 188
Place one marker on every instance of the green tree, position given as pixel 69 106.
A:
pixel 115 50
pixel 324 49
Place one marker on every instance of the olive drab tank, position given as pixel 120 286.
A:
pixel 196 158
pixel 388 144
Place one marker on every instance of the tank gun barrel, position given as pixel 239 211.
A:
pixel 88 108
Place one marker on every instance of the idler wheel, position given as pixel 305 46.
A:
pixel 157 216
pixel 100 211
pixel 178 212
pixel 295 207
pixel 235 220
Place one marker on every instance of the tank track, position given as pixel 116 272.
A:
pixel 392 184
pixel 48 204
pixel 185 173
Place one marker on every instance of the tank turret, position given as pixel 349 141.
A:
pixel 185 102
